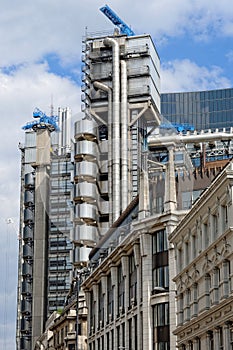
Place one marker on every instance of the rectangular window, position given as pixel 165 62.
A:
pixel 214 227
pixel 132 281
pixel 121 290
pixel 130 334
pixel 101 306
pixel 92 312
pixel 160 270
pixel 110 299
pixel 160 242
pixel 161 339
pixel 205 233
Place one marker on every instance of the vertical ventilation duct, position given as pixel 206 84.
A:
pixel 115 128
pixel 124 137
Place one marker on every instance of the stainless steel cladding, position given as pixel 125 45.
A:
pixel 85 129
pixel 85 191
pixel 86 234
pixel 86 170
pixel 86 149
pixel 85 212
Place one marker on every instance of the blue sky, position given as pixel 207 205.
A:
pixel 40 44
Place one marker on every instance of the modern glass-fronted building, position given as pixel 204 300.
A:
pixel 203 109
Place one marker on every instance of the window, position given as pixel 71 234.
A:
pixel 207 290
pixel 194 300
pixel 121 290
pixel 112 339
pixel 221 347
pixel 108 341
pixel 187 305
pixel 210 340
pixel 92 311
pixel 132 281
pixel 160 270
pixel 215 286
pixel 161 339
pixel 206 234
pixel 160 243
pixel 110 299
pixel 101 306
pixel 198 342
pixel 226 278
pixel 214 227
pixel 130 334
pixel 118 337
pixel 180 309
pixel 224 217
pixel 135 332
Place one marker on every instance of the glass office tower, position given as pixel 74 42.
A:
pixel 203 109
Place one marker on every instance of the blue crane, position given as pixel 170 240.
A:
pixel 124 28
pixel 42 121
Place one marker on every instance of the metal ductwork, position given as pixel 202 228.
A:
pixel 115 128
pixel 124 137
pixel 86 234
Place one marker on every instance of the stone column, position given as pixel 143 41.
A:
pixel 216 338
pixel 196 344
pixel 209 336
pixel 170 201
pixel 226 336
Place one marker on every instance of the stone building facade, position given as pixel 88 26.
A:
pixel 203 244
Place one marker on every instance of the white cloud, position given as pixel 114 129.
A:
pixel 30 29
pixel 185 75
pixel 20 92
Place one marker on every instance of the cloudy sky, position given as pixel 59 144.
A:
pixel 40 62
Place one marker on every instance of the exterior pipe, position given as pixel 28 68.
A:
pixel 101 86
pixel 204 137
pixel 115 128
pixel 124 137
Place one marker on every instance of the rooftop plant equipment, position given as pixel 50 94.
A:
pixel 124 28
pixel 42 121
